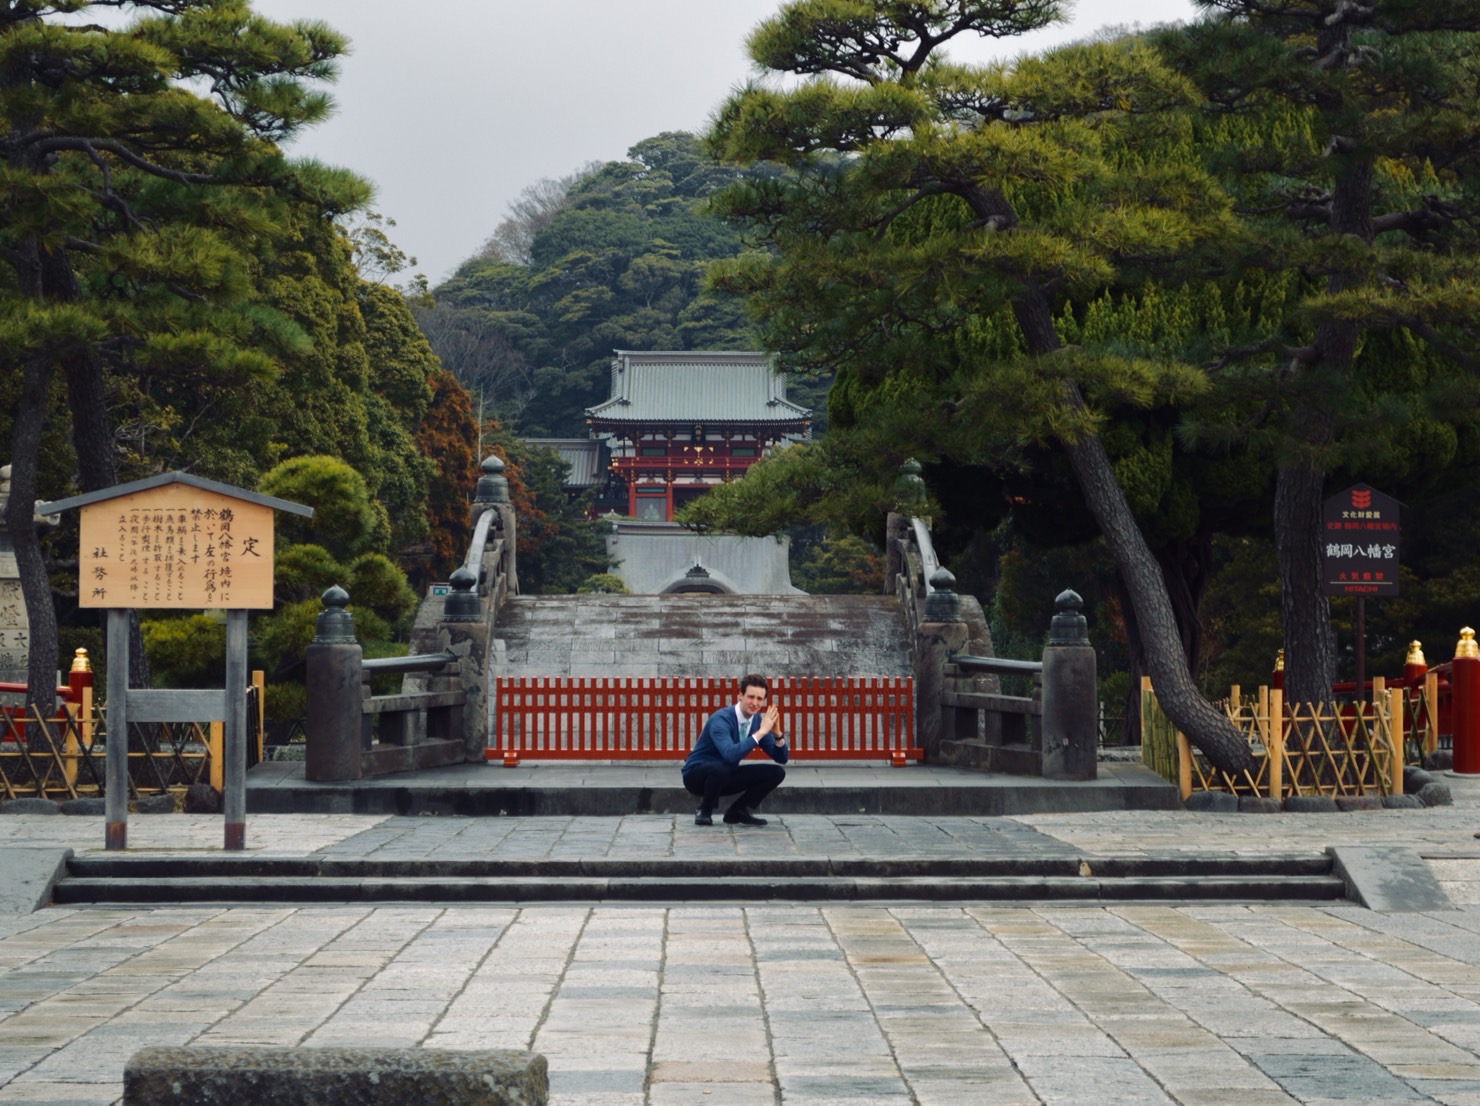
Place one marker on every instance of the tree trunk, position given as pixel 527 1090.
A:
pixel 92 437
pixel 20 511
pixel 1205 726
pixel 1310 654
pixel 1310 651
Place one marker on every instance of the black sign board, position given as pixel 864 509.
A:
pixel 1359 540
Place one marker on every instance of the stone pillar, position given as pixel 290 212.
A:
pixel 1070 696
pixel 14 626
pixel 335 694
pixel 465 630
pixel 941 634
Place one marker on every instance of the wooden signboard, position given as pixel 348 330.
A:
pixel 176 540
pixel 176 546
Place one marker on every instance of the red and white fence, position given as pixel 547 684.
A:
pixel 659 718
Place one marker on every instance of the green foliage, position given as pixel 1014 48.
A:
pixel 603 583
pixel 303 571
pixel 559 547
pixel 188 651
pixel 281 640
pixel 142 183
pixel 1347 139
pixel 815 483
pixel 285 703
pixel 374 582
pixel 617 263
pixel 839 565
pixel 346 521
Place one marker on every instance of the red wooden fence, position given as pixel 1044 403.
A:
pixel 659 718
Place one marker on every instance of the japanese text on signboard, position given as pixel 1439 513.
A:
pixel 176 547
pixel 1360 543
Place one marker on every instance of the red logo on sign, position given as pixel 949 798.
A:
pixel 1361 500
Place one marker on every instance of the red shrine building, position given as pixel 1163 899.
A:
pixel 678 423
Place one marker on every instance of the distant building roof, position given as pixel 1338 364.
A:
pixel 583 455
pixel 693 386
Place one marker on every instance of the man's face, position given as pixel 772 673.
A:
pixel 752 699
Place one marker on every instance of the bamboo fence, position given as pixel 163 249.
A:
pixel 63 757
pixel 1331 749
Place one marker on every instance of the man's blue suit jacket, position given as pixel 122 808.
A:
pixel 720 742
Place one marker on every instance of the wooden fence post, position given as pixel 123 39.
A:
pixel 1396 738
pixel 1276 740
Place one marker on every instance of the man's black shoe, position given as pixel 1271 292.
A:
pixel 742 817
pixel 702 818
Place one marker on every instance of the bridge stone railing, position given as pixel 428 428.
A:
pixel 444 709
pixel 961 717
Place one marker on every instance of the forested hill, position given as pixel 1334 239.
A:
pixel 612 257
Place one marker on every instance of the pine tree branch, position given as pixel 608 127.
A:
pixel 93 146
pixel 1433 214
pixel 884 221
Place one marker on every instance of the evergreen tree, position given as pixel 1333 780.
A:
pixel 141 172
pixel 617 263
pixel 1348 133
pixel 926 198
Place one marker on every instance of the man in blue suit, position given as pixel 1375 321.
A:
pixel 713 768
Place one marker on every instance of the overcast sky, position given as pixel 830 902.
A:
pixel 451 107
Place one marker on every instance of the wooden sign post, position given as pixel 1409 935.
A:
pixel 176 541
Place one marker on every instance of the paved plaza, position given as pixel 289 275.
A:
pixel 800 1004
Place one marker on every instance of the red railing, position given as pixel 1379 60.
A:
pixel 659 718
pixel 71 692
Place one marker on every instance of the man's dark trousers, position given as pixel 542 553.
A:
pixel 753 781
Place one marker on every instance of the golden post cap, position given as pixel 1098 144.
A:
pixel 1415 654
pixel 1467 649
pixel 80 663
pixel 1279 660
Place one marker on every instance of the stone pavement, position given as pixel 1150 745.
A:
pixel 804 1005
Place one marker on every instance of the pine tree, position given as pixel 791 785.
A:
pixel 1348 132
pixel 924 198
pixel 141 175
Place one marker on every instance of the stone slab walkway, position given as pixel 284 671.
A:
pixel 802 1005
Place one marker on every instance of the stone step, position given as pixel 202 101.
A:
pixel 702 635
pixel 1068 878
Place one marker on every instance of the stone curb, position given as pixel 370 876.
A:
pixel 203 1075
pixel 31 876
pixel 1388 878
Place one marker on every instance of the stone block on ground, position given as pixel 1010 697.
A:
pixel 155 804
pixel 202 798
pixel 1401 802
pixel 1259 804
pixel 1414 778
pixel 250 1076
pixel 30 875
pixel 90 806
pixel 1359 802
pixel 1310 804
pixel 30 806
pixel 1212 802
pixel 1440 760
pixel 1435 794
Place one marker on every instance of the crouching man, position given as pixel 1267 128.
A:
pixel 714 767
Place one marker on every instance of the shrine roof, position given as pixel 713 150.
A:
pixel 696 386
pixel 583 455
